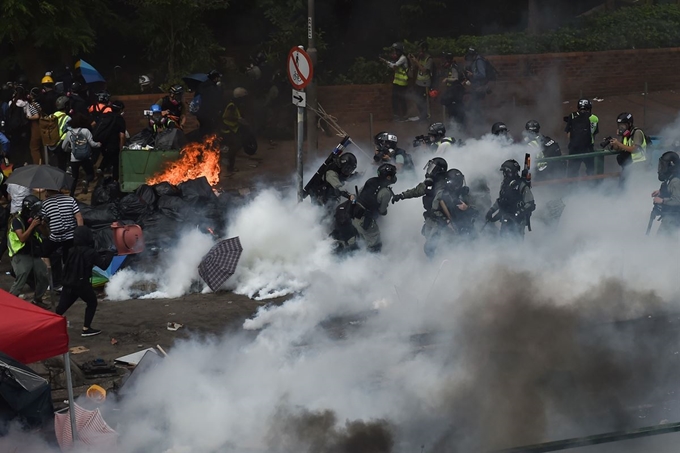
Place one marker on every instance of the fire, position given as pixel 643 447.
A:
pixel 196 160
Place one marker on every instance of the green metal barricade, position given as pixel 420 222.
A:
pixel 137 165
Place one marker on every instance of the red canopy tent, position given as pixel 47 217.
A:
pixel 30 334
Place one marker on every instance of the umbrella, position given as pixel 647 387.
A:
pixel 101 276
pixel 91 428
pixel 40 177
pixel 194 80
pixel 220 262
pixel 90 74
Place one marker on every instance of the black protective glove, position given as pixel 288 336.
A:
pixel 397 197
pixel 489 215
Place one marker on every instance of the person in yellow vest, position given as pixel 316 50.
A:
pixel 633 145
pixel 24 247
pixel 57 154
pixel 424 67
pixel 400 82
pixel 236 133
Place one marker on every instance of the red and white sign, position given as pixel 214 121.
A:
pixel 300 69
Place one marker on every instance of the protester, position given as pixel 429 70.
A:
pixel 78 143
pixel 17 127
pixel 211 104
pixel 115 142
pixel 61 214
pixel 48 98
pixel 425 67
pixel 24 243
pixel 57 156
pixel 453 91
pixel 33 112
pixel 77 277
pixel 399 65
pixel 172 105
pixel 236 133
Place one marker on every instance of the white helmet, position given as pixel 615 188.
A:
pixel 144 80
pixel 240 92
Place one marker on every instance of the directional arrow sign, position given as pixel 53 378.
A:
pixel 299 98
pixel 299 68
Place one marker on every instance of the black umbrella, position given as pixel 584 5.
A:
pixel 220 262
pixel 40 177
pixel 194 80
pixel 23 394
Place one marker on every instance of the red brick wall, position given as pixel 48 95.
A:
pixel 524 79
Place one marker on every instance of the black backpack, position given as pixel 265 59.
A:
pixel 106 122
pixel 15 119
pixel 580 136
pixel 491 74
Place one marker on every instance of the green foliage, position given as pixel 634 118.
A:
pixel 51 24
pixel 364 72
pixel 174 36
pixel 627 28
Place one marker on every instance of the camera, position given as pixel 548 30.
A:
pixel 606 142
pixel 148 113
pixel 422 139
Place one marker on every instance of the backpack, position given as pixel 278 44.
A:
pixel 648 139
pixel 15 119
pixel 104 128
pixel 490 70
pixel 408 160
pixel 195 104
pixel 49 130
pixel 80 146
pixel 581 137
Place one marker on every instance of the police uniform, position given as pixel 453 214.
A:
pixel 670 208
pixel 462 222
pixel 547 147
pixel 515 204
pixel 372 202
pixel 434 220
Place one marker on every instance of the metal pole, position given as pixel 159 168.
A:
pixel 300 139
pixel 71 401
pixel 312 130
pixel 370 127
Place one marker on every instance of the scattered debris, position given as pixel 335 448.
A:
pixel 114 341
pixel 165 354
pixel 134 358
pixel 596 99
pixel 78 349
pixel 565 102
pixel 173 326
pixel 96 393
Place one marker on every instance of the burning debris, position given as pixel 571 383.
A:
pixel 197 160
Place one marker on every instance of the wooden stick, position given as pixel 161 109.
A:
pixel 165 354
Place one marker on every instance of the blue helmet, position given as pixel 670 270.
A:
pixel 155 108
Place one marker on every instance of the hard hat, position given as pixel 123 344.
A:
pixel 47 79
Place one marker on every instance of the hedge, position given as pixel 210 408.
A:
pixel 636 27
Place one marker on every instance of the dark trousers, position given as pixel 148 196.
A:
pixel 575 164
pixel 421 101
pixel 52 251
pixel 69 294
pixel 111 159
pixel 399 100
pixel 58 158
pixel 86 165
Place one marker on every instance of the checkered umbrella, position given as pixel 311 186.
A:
pixel 220 262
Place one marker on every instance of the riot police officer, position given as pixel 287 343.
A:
pixel 545 147
pixel 332 184
pixel 440 142
pixel 667 198
pixel 372 202
pixel 515 202
pixel 454 203
pixel 387 151
pixel 435 177
pixel 499 129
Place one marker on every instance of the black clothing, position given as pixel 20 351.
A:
pixel 48 101
pixel 82 258
pixel 175 109
pixel 70 294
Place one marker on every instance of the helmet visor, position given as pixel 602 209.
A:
pixel 429 167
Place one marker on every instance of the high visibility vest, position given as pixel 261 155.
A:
pixel 400 76
pixel 13 242
pixel 593 126
pixel 62 119
pixel 424 76
pixel 231 126
pixel 639 155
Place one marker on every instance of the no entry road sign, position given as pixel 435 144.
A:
pixel 300 68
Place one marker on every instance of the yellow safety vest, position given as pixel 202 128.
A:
pixel 13 242
pixel 61 124
pixel 400 76
pixel 639 155
pixel 424 76
pixel 231 125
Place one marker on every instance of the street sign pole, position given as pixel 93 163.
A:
pixel 300 137
pixel 300 71
pixel 312 131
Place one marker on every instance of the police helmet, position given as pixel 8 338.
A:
pixel 118 106
pixel 625 118
pixel 177 90
pixel 471 53
pixel 435 166
pixel 455 179
pixel 499 128
pixel 585 104
pixel 214 74
pixel 347 163
pixel 437 129
pixel 103 97
pixel 669 165
pixel 61 103
pixel 533 126
pixel 144 80
pixel 31 205
pixel 385 140
pixel 510 168
pixel 387 170
pixel 448 56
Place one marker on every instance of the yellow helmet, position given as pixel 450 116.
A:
pixel 47 79
pixel 77 65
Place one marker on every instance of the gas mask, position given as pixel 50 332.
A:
pixel 624 130
pixel 429 168
pixel 529 136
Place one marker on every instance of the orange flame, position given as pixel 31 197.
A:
pixel 196 160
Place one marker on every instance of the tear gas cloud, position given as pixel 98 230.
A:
pixel 490 345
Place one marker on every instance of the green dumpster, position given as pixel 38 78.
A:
pixel 137 165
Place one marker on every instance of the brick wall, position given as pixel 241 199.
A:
pixel 523 79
